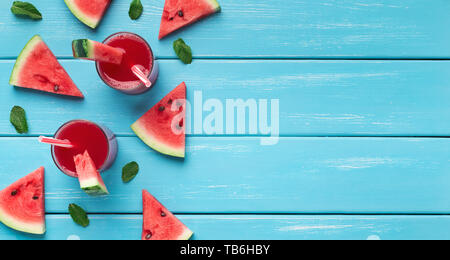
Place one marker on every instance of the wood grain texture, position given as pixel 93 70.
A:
pixel 245 52
pixel 246 227
pixel 316 98
pixel 237 175
pixel 259 29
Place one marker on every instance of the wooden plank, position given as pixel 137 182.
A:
pixel 238 227
pixel 238 175
pixel 316 98
pixel 261 29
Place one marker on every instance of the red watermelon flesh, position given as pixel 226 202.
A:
pixel 37 68
pixel 180 13
pixel 162 127
pixel 22 204
pixel 89 12
pixel 159 223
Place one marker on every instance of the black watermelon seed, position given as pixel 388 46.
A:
pixel 14 193
pixel 163 214
pixel 170 101
pixel 180 13
pixel 35 197
pixel 148 236
pixel 162 108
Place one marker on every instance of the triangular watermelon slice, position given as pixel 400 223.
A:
pixel 37 68
pixel 22 204
pixel 92 50
pixel 180 13
pixel 89 12
pixel 162 127
pixel 90 180
pixel 159 223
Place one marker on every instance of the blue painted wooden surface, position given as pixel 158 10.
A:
pixel 326 98
pixel 357 136
pixel 237 175
pixel 267 227
pixel 261 29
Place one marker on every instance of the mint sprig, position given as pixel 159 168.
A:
pixel 26 9
pixel 18 119
pixel 136 9
pixel 78 215
pixel 183 51
pixel 130 171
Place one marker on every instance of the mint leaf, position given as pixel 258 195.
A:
pixel 183 51
pixel 26 9
pixel 19 120
pixel 129 171
pixel 78 215
pixel 136 9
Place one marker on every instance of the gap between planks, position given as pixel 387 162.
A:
pixel 264 214
pixel 259 136
pixel 279 58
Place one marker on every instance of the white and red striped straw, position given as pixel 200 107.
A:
pixel 56 142
pixel 141 76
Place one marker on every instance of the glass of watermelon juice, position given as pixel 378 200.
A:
pixel 137 52
pixel 98 140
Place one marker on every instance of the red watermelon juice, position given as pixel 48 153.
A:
pixel 99 141
pixel 137 52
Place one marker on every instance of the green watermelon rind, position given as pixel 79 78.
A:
pixel 156 145
pixel 93 23
pixel 13 223
pixel 83 48
pixel 187 234
pixel 93 187
pixel 215 5
pixel 23 56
